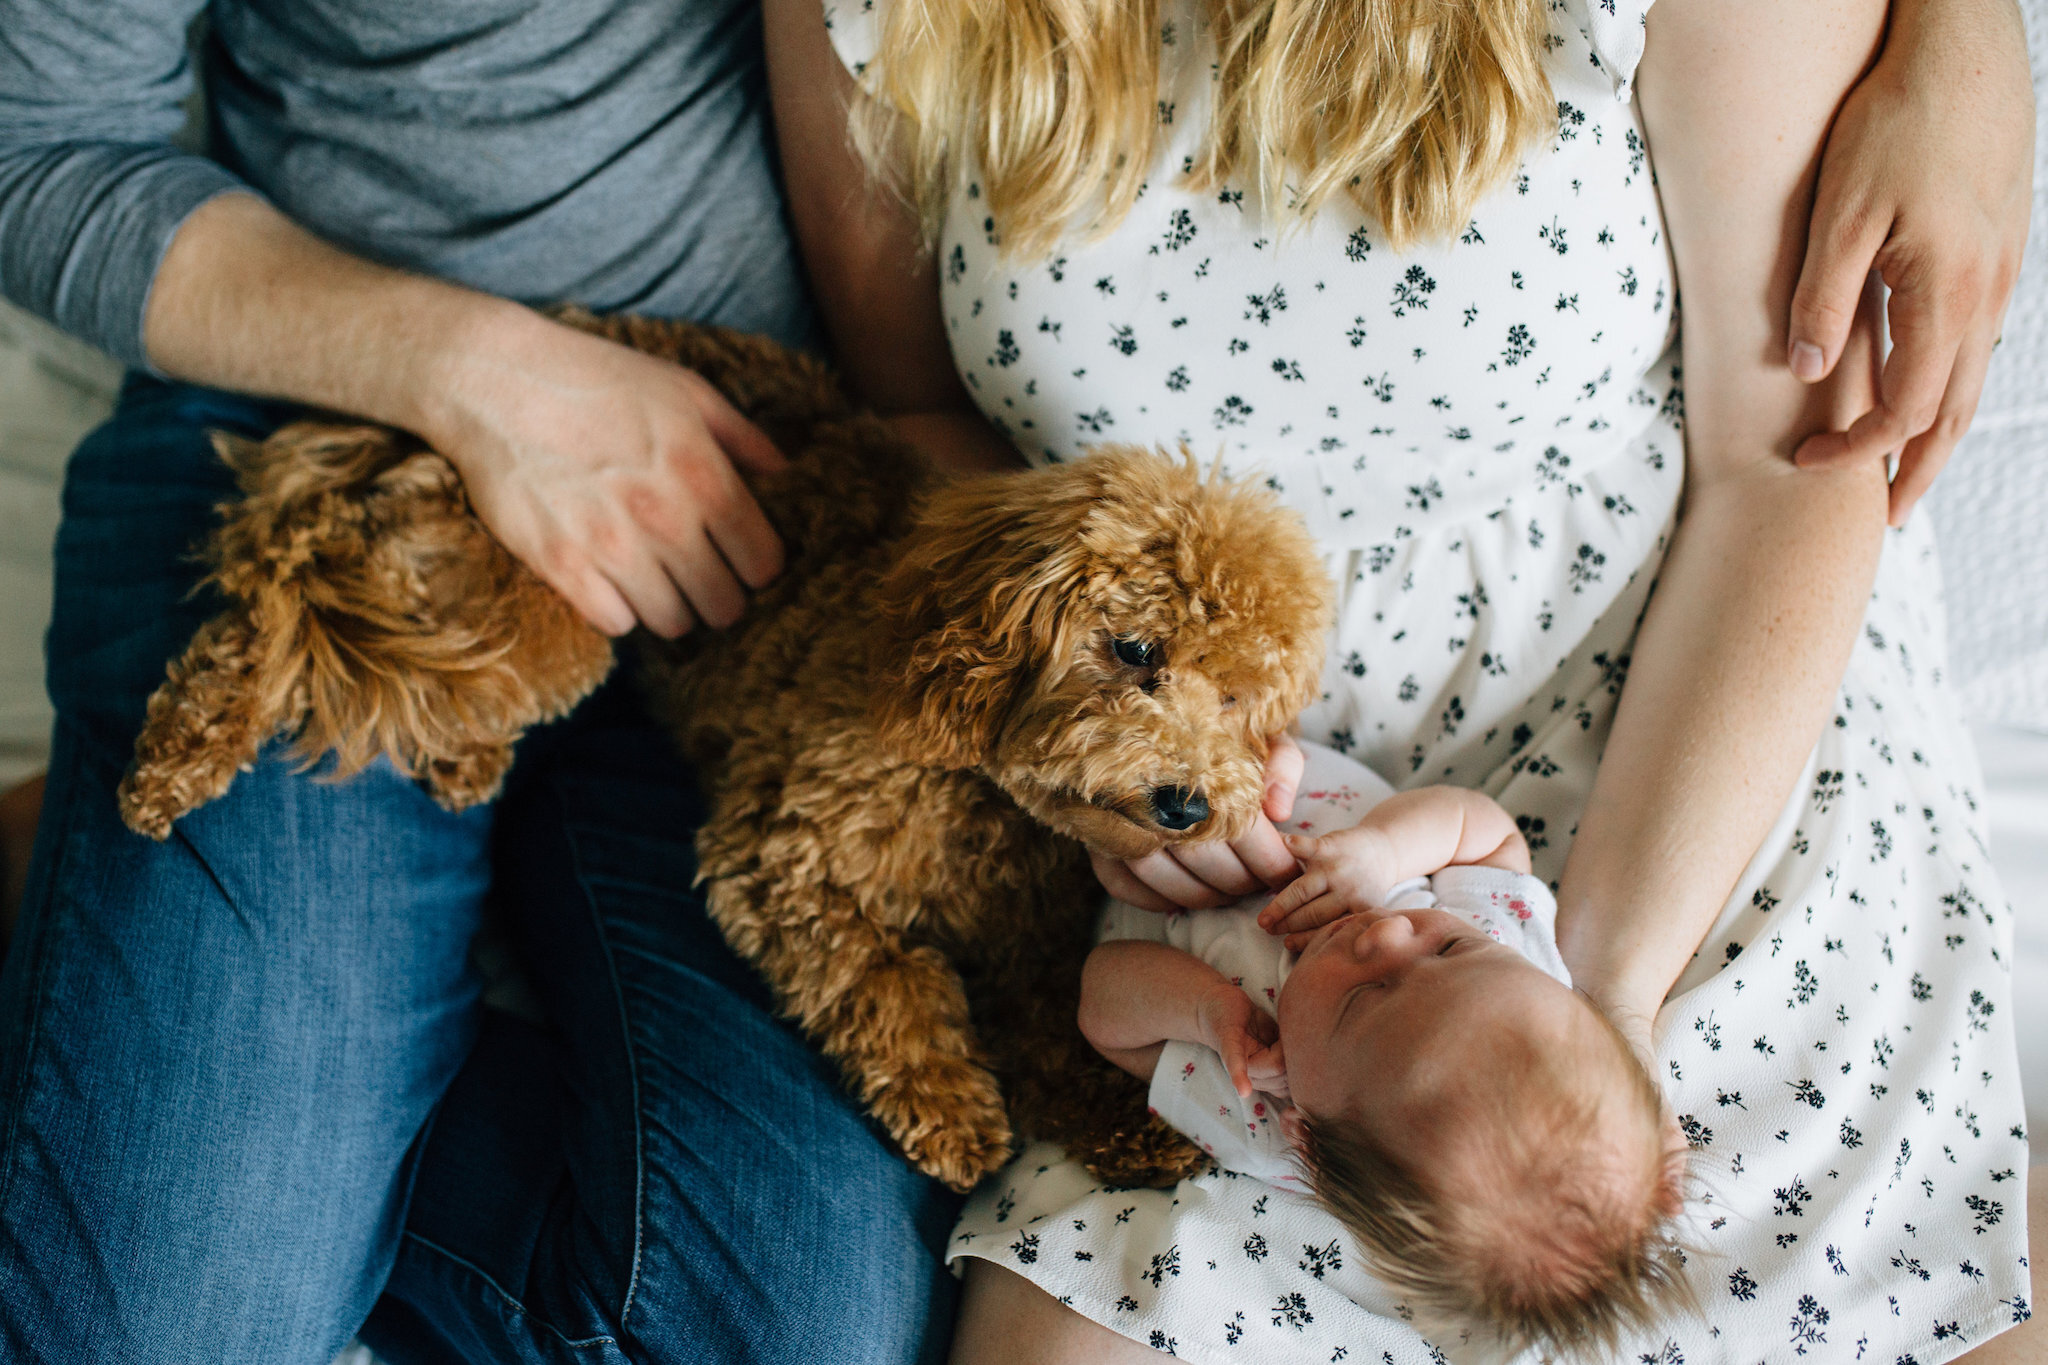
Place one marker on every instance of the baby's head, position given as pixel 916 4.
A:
pixel 1491 1141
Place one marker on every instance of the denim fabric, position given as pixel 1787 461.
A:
pixel 244 1077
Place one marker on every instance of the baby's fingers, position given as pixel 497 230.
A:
pixel 1290 898
pixel 1236 1052
pixel 1267 1064
pixel 1305 919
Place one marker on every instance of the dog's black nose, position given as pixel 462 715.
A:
pixel 1179 808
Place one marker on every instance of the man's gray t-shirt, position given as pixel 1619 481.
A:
pixel 614 153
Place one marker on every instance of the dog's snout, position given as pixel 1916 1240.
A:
pixel 1179 808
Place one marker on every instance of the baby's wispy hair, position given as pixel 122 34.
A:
pixel 1563 1249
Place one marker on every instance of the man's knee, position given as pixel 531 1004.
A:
pixel 215 1052
pixel 812 1240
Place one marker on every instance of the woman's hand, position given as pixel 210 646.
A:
pixel 1928 179
pixel 612 475
pixel 1205 875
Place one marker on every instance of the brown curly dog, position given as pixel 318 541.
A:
pixel 909 738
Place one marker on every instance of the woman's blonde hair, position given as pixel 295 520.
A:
pixel 1414 108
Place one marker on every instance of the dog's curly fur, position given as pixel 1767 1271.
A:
pixel 909 738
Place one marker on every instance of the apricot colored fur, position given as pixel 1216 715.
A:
pixel 372 614
pixel 907 739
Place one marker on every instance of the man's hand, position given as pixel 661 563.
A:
pixel 1927 178
pixel 614 476
pixel 1205 875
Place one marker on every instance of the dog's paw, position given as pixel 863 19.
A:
pixel 950 1123
pixel 1155 1157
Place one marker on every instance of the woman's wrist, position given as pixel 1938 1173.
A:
pixel 958 443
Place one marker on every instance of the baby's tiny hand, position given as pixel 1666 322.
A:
pixel 1237 1031
pixel 1267 1069
pixel 1342 873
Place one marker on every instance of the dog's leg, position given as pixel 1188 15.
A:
pixel 205 724
pixel 468 779
pixel 892 1014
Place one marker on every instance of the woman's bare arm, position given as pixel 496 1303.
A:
pixel 1756 608
pixel 876 284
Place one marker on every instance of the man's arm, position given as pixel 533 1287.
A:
pixel 1757 603
pixel 612 475
pixel 91 187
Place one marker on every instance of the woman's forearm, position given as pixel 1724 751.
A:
pixel 1732 678
pixel 1757 603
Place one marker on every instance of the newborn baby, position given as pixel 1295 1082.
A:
pixel 1395 1035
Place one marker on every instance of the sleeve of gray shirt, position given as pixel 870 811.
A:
pixel 91 188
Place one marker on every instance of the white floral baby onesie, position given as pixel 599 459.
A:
pixel 1486 437
pixel 1191 1089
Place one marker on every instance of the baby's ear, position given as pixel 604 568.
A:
pixel 974 605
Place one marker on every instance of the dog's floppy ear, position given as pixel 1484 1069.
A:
pixel 973 606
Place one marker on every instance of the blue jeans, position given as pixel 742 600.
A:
pixel 249 1100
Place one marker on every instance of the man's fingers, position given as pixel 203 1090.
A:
pixel 1120 882
pixel 1909 395
pixel 1926 453
pixel 656 601
pixel 746 443
pixel 706 581
pixel 597 602
pixel 747 541
pixel 1841 244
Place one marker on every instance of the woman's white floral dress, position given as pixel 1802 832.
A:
pixel 1485 435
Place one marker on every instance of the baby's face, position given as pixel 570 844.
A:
pixel 1399 1013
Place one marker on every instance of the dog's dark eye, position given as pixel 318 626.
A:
pixel 1137 653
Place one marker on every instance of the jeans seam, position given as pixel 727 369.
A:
pixel 33 996
pixel 510 1301
pixel 583 881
